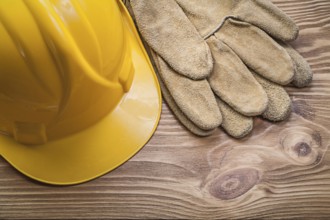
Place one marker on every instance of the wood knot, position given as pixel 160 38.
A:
pixel 302 146
pixel 302 149
pixel 234 183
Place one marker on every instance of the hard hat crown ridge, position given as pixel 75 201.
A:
pixel 64 70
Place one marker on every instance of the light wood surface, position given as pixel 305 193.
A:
pixel 281 170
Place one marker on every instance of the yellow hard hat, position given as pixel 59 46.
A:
pixel 78 94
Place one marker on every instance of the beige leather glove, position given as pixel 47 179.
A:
pixel 226 43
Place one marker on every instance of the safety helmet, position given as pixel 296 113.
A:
pixel 78 94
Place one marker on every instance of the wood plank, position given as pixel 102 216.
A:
pixel 281 170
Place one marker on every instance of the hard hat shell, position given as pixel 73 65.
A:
pixel 78 95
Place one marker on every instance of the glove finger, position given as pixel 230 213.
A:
pixel 257 50
pixel 233 82
pixel 172 36
pixel 279 104
pixel 265 15
pixel 234 123
pixel 303 74
pixel 180 115
pixel 194 98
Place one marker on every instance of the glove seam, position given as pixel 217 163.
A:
pixel 217 28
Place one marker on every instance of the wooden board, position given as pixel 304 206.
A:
pixel 279 171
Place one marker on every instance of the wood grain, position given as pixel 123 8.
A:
pixel 281 170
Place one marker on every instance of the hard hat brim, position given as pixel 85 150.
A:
pixel 105 145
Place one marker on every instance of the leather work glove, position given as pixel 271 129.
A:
pixel 235 48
